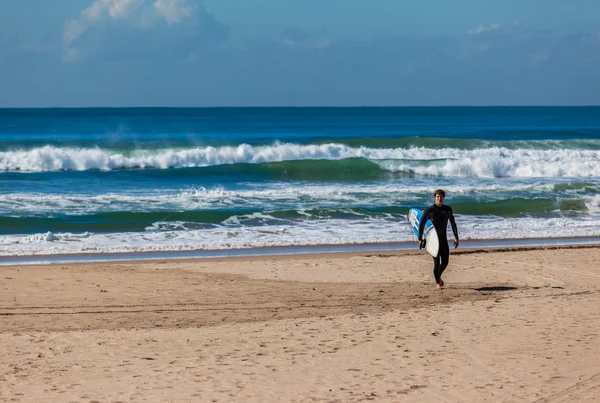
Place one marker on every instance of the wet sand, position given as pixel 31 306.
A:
pixel 510 325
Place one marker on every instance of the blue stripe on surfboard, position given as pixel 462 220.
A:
pixel 415 223
pixel 432 246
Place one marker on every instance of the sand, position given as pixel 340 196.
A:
pixel 511 325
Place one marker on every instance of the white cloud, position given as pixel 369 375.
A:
pixel 173 11
pixel 100 10
pixel 138 14
pixel 115 9
pixel 73 30
pixel 484 28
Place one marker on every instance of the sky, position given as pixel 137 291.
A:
pixel 85 53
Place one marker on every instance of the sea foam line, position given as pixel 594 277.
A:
pixel 321 232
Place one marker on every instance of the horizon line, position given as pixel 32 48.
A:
pixel 299 107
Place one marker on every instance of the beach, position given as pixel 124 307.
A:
pixel 202 201
pixel 512 324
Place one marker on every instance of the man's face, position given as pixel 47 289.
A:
pixel 439 199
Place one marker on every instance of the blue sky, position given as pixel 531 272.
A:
pixel 299 52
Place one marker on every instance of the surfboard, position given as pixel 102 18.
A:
pixel 432 244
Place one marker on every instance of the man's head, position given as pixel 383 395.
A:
pixel 438 196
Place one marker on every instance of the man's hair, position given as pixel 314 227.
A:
pixel 440 192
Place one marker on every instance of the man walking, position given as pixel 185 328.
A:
pixel 439 214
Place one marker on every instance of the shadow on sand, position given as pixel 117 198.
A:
pixel 484 289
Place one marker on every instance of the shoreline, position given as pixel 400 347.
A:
pixel 466 246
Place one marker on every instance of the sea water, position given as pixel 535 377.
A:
pixel 103 180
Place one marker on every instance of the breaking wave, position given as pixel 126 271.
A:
pixel 317 161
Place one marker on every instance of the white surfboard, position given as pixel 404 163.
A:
pixel 432 244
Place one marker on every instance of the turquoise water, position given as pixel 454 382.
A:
pixel 172 179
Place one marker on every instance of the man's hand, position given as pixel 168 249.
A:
pixel 456 242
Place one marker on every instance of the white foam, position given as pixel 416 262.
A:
pixel 310 232
pixel 501 162
pixel 275 195
pixel 491 162
pixel 593 204
pixel 50 237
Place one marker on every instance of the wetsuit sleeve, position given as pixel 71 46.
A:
pixel 422 223
pixel 452 222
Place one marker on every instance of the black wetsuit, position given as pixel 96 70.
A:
pixel 439 217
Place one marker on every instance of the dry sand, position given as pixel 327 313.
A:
pixel 516 325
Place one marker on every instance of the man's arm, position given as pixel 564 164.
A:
pixel 424 218
pixel 453 224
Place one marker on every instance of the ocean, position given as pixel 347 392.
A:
pixel 111 180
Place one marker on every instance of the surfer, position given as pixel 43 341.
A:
pixel 439 214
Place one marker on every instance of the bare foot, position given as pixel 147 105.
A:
pixel 438 286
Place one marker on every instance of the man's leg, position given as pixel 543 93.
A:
pixel 444 257
pixel 436 269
